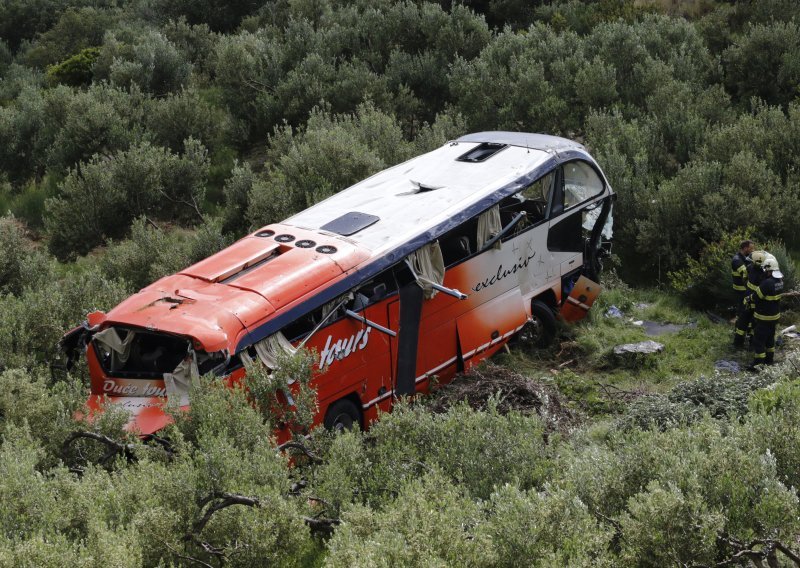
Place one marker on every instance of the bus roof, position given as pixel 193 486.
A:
pixel 415 196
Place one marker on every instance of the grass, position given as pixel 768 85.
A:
pixel 583 366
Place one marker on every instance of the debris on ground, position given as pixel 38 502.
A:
pixel 614 312
pixel 512 391
pixel 727 366
pixel 642 305
pixel 644 347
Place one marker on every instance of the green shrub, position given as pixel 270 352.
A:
pixel 150 253
pixel 430 523
pixel 547 528
pixel 765 50
pixel 100 199
pixel 75 70
pixel 664 526
pixel 705 282
pixel 142 58
pixel 32 323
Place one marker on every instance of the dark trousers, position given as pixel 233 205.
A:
pixel 744 318
pixel 764 341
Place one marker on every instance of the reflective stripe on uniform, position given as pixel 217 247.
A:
pixel 760 355
pixel 752 286
pixel 739 332
pixel 770 350
pixel 739 288
pixel 762 317
pixel 772 298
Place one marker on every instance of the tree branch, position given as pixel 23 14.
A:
pixel 301 448
pixel 114 447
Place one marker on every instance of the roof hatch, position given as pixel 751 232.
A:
pixel 481 152
pixel 350 223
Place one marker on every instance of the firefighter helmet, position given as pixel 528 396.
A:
pixel 758 257
pixel 771 264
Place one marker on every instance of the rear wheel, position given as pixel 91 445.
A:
pixel 342 415
pixel 541 330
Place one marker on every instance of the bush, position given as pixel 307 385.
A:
pixel 76 30
pixel 430 523
pixel 32 323
pixel 102 198
pixel 705 282
pixel 150 253
pixel 769 50
pixel 75 70
pixel 145 59
pixel 331 154
pixel 179 116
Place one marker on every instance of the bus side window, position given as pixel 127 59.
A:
pixel 581 182
pixel 374 291
pixel 459 243
pixel 533 201
pixel 303 325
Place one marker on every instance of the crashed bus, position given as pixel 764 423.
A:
pixel 420 271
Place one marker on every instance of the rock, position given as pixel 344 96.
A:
pixel 644 347
pixel 614 312
pixel 636 355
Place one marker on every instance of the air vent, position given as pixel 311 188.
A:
pixel 265 233
pixel 284 238
pixel 481 152
pixel 326 249
pixel 350 223
pixel 305 244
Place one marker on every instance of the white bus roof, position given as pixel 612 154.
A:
pixel 417 195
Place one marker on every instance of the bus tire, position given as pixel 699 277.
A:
pixel 540 332
pixel 342 415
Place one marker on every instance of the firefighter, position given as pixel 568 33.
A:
pixel 739 264
pixel 744 319
pixel 767 311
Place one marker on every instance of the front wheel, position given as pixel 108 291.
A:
pixel 540 332
pixel 342 415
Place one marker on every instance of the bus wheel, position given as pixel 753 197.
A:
pixel 342 415
pixel 541 330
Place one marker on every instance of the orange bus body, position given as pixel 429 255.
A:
pixel 286 279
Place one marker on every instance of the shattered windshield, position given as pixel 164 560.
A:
pixel 134 353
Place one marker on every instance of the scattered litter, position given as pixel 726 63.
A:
pixel 637 322
pixel 642 305
pixel 614 312
pixel 788 330
pixel 792 335
pixel 727 366
pixel 645 347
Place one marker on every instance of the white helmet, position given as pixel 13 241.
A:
pixel 758 257
pixel 771 264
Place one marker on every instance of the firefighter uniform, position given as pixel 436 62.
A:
pixel 744 321
pixel 739 264
pixel 767 312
